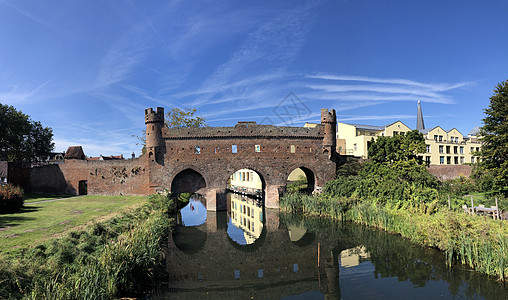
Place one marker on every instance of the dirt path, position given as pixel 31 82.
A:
pixel 51 200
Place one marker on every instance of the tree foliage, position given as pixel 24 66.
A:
pixel 22 139
pixel 179 118
pixel 399 147
pixel 494 136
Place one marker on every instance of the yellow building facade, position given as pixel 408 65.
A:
pixel 352 139
pixel 443 147
pixel 450 147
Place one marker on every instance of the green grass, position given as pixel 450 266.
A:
pixel 37 222
pixel 30 197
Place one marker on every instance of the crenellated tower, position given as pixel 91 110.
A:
pixel 329 121
pixel 154 121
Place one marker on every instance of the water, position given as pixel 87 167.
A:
pixel 250 252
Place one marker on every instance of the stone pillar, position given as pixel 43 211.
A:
pixel 272 219
pixel 215 199
pixel 211 221
pixel 272 196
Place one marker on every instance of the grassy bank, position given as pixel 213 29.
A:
pixel 40 221
pixel 479 242
pixel 121 256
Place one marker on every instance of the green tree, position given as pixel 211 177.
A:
pixel 494 137
pixel 179 118
pixel 399 147
pixel 22 139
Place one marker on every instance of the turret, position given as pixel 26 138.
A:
pixel 154 121
pixel 329 121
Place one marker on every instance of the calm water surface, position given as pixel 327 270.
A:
pixel 250 252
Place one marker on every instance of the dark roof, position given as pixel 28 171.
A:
pixel 75 152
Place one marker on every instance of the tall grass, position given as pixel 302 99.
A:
pixel 120 257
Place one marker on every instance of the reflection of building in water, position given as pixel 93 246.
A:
pixel 245 180
pixel 247 214
pixel 353 256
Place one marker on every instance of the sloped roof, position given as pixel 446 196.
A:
pixel 474 132
pixel 75 152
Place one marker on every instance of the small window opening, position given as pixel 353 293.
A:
pixel 234 149
pixel 197 150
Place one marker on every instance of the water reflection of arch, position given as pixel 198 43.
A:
pixel 191 238
pixel 248 215
pixel 187 180
pixel 309 174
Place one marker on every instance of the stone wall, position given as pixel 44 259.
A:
pixel 116 177
pixel 446 172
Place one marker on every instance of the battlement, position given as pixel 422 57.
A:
pixel 329 117
pixel 152 116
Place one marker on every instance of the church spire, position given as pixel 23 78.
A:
pixel 419 118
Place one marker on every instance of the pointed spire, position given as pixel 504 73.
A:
pixel 419 118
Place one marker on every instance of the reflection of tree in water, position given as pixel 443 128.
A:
pixel 394 256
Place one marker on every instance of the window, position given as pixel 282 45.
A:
pixel 234 149
pixel 455 149
pixel 456 160
pixel 441 160
pixel 461 150
pixel 456 139
pixel 257 148
pixel 441 149
pixel 354 147
pixel 472 160
pixel 427 159
pixel 448 160
pixel 462 160
pixel 440 138
pixel 447 149
pixel 197 150
pixel 435 138
pixel 451 139
pixel 428 148
pixel 477 149
pixel 472 149
pixel 395 132
pixel 293 148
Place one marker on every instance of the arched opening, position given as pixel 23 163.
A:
pixel 187 181
pixel 245 206
pixel 301 180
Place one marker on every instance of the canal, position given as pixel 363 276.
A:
pixel 249 252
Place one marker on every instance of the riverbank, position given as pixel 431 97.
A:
pixel 104 260
pixel 479 242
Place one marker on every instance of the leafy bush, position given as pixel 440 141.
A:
pixel 11 198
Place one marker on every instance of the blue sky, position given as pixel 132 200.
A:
pixel 88 69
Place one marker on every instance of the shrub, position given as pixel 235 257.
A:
pixel 11 198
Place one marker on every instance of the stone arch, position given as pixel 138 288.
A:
pixel 228 174
pixel 187 181
pixel 311 178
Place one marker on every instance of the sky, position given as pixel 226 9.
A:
pixel 89 69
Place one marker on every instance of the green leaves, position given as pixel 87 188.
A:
pixel 399 147
pixel 179 118
pixel 494 135
pixel 22 139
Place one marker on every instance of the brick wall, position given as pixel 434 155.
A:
pixel 447 172
pixel 126 177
